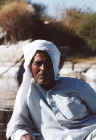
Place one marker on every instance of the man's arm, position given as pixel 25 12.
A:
pixel 27 137
pixel 88 95
pixel 20 123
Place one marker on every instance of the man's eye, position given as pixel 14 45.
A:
pixel 37 63
pixel 46 65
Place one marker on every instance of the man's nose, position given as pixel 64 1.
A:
pixel 42 67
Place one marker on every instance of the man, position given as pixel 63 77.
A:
pixel 61 108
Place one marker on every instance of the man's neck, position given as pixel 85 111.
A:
pixel 49 86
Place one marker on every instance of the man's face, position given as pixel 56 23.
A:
pixel 42 70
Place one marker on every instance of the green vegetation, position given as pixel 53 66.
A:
pixel 3 2
pixel 84 25
pixel 20 21
pixel 74 33
pixel 88 30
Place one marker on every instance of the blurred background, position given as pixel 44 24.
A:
pixel 71 25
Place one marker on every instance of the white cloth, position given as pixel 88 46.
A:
pixel 53 122
pixel 54 125
pixel 92 135
pixel 29 50
pixel 43 45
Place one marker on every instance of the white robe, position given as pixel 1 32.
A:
pixel 68 114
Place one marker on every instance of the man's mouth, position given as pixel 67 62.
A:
pixel 42 76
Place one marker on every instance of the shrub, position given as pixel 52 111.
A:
pixel 20 21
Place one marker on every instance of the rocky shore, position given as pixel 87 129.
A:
pixel 83 70
pixel 10 61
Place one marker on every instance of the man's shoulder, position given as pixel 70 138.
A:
pixel 74 83
pixel 71 83
pixel 69 79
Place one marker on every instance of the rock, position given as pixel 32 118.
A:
pixel 10 60
pixel 10 53
pixel 91 73
pixel 85 71
pixel 66 69
pixel 81 67
pixel 90 76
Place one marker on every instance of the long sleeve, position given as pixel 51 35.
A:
pixel 88 94
pixel 20 122
pixel 77 87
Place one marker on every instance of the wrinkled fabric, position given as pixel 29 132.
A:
pixel 43 45
pixel 92 135
pixel 66 112
pixel 56 125
pixel 29 50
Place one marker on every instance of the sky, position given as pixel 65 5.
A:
pixel 56 6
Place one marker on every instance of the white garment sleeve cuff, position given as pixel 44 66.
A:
pixel 17 135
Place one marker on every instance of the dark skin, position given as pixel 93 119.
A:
pixel 42 70
pixel 26 137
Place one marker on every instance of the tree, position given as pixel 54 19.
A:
pixel 88 31
pixel 2 2
pixel 84 25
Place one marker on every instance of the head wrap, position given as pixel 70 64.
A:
pixel 30 49
pixel 42 45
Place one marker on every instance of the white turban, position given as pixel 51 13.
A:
pixel 29 50
pixel 43 45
